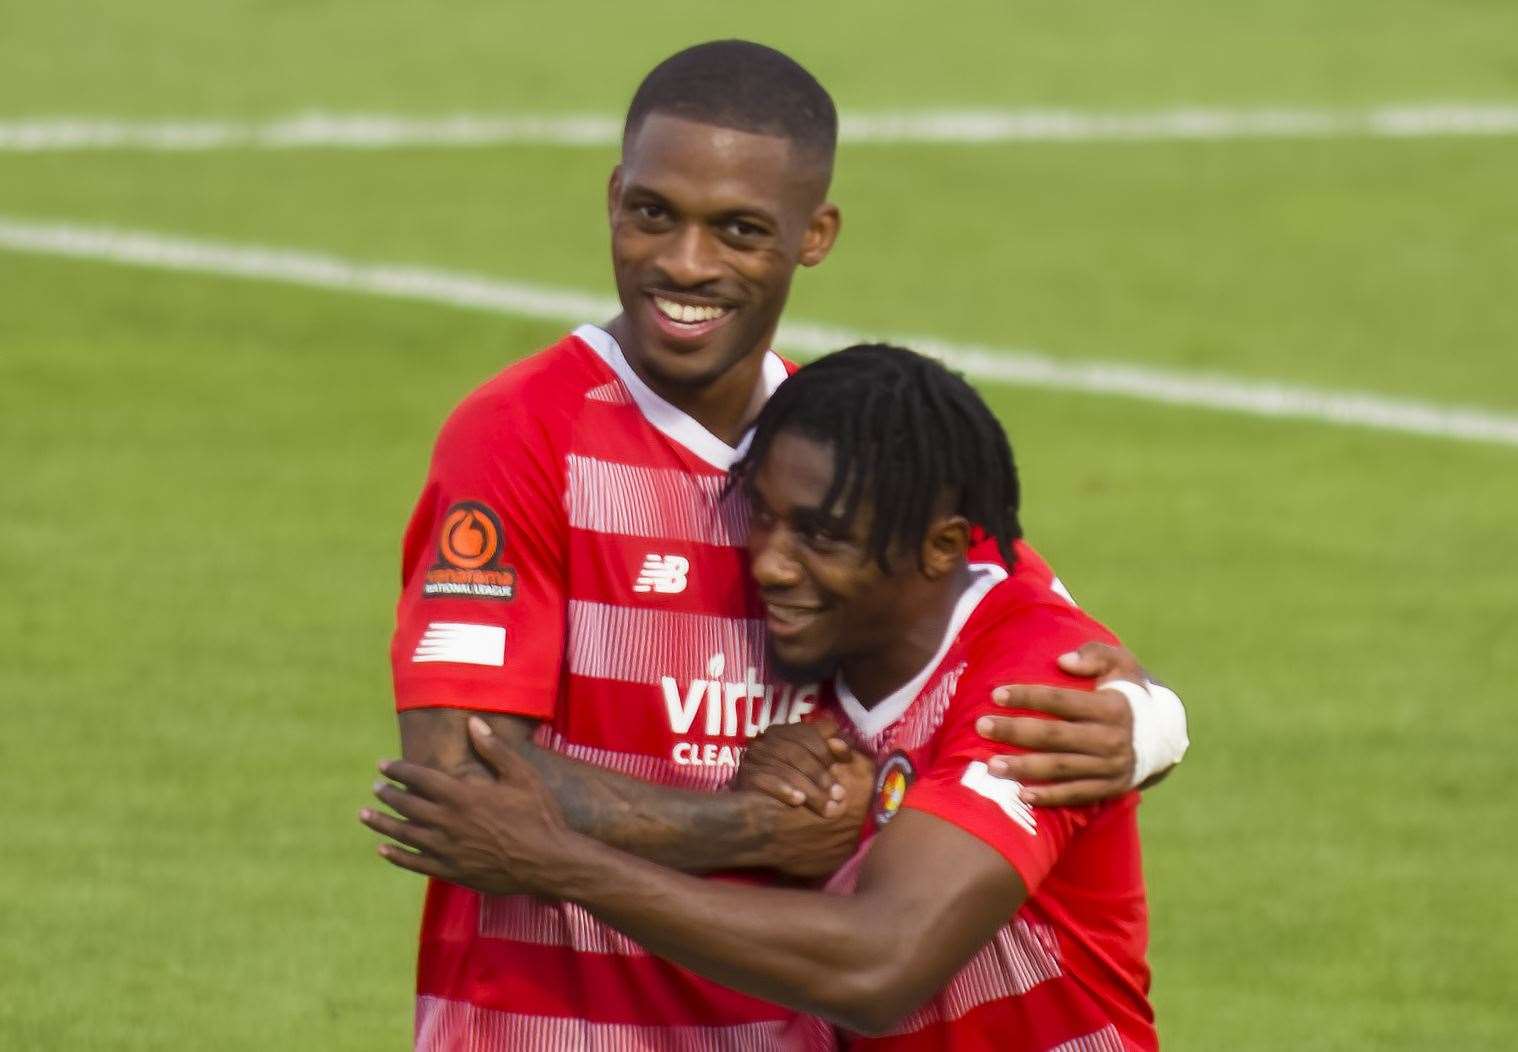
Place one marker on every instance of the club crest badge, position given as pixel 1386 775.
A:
pixel 891 783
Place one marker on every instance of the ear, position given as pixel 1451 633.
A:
pixel 613 192
pixel 945 546
pixel 821 232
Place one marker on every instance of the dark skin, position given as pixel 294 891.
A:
pixel 693 831
pixel 944 891
pixel 717 220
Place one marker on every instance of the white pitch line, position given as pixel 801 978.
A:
pixel 1026 368
pixel 377 131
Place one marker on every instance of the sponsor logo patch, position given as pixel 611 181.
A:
pixel 469 556
pixel 891 783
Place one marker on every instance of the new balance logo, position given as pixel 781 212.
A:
pixel 663 573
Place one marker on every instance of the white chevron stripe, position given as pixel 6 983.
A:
pixel 462 644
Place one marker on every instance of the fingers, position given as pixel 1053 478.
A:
pixel 752 777
pixel 794 764
pixel 806 782
pixel 1098 706
pixel 810 753
pixel 1053 767
pixel 1073 794
pixel 1103 661
pixel 800 748
pixel 500 756
pixel 398 829
pixel 403 859
pixel 827 729
pixel 825 726
pixel 419 780
pixel 781 788
pixel 1109 740
pixel 410 805
pixel 857 776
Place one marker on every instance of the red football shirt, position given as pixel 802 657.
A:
pixel 1067 971
pixel 572 558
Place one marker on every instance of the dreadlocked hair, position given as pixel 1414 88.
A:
pixel 909 437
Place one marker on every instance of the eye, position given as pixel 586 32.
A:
pixel 650 214
pixel 743 231
pixel 824 539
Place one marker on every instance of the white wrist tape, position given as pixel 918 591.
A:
pixel 1159 727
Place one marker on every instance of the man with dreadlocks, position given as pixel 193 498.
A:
pixel 968 920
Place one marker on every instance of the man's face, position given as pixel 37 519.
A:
pixel 825 595
pixel 708 225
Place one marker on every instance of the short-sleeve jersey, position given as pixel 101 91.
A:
pixel 575 557
pixel 1067 971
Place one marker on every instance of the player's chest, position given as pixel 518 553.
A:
pixel 655 537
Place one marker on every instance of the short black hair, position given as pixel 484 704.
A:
pixel 908 435
pixel 741 85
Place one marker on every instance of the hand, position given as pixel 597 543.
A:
pixel 807 846
pixel 793 762
pixel 501 837
pixel 1084 755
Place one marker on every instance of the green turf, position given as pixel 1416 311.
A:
pixel 206 479
pixel 262 57
pixel 1324 263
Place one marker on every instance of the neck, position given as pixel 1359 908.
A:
pixel 725 406
pixel 873 676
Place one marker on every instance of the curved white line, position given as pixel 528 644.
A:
pixel 1023 367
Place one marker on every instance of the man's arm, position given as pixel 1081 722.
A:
pixel 1125 732
pixel 1105 741
pixel 929 895
pixel 687 830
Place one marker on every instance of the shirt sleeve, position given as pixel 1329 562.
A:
pixel 959 788
pixel 481 618
pixel 1028 565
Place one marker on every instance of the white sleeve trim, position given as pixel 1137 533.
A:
pixel 1159 727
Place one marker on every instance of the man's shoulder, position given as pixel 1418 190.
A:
pixel 564 372
pixel 536 395
pixel 1022 627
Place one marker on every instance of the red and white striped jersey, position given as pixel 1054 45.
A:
pixel 1067 972
pixel 573 557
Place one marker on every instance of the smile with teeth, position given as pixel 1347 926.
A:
pixel 687 313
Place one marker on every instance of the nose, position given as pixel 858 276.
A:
pixel 690 258
pixel 771 561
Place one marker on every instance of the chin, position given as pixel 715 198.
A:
pixel 801 668
pixel 687 368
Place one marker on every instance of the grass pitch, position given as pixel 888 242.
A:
pixel 206 479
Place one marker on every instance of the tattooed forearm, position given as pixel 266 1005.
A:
pixel 692 831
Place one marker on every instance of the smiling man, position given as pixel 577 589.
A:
pixel 971 921
pixel 574 572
